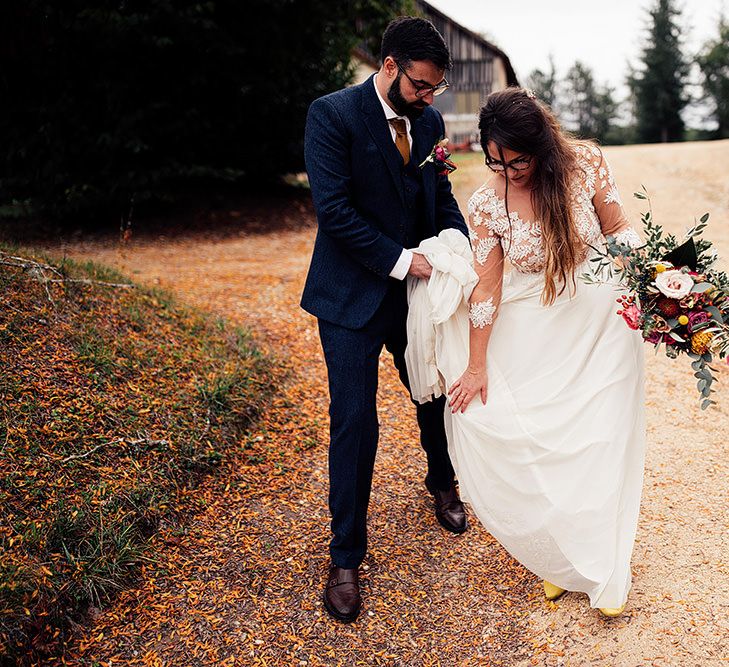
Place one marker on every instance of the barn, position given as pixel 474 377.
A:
pixel 479 68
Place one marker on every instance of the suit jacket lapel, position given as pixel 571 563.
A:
pixel 423 141
pixel 379 129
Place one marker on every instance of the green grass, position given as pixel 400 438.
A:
pixel 467 159
pixel 114 404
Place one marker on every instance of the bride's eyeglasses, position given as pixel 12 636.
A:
pixel 423 88
pixel 520 164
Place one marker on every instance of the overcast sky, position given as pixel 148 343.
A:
pixel 604 34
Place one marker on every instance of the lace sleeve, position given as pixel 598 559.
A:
pixel 488 258
pixel 609 206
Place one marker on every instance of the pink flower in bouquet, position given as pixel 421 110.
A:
pixel 654 337
pixel 674 284
pixel 631 314
pixel 697 317
pixel 440 153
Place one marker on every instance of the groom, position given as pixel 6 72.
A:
pixel 363 146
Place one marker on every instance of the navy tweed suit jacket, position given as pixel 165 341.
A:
pixel 355 173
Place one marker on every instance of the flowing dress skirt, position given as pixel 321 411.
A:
pixel 552 464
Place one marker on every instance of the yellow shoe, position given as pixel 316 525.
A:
pixel 612 613
pixel 552 592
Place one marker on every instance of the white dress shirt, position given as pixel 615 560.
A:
pixel 402 266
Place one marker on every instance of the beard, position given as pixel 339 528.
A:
pixel 413 110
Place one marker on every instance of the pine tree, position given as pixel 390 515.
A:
pixel 606 110
pixel 579 101
pixel 714 64
pixel 659 84
pixel 544 83
pixel 586 108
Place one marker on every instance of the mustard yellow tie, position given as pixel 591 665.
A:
pixel 401 138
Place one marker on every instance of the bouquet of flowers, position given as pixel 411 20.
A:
pixel 439 157
pixel 676 298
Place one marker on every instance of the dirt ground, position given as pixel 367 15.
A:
pixel 252 596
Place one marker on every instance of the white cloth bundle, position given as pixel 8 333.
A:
pixel 432 305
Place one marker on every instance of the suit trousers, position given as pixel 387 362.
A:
pixel 352 359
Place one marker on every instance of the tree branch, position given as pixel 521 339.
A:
pixel 86 281
pixel 118 441
pixel 37 271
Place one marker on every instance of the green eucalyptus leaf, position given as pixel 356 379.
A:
pixel 715 313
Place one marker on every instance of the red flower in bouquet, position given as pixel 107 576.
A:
pixel 668 307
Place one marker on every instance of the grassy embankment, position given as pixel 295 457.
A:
pixel 114 403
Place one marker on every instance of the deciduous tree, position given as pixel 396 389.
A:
pixel 105 103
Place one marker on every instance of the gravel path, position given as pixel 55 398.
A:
pixel 243 586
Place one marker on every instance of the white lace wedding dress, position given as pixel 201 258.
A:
pixel 552 464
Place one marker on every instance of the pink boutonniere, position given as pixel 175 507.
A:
pixel 439 157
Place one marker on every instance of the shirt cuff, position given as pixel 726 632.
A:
pixel 402 266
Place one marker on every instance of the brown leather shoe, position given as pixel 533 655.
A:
pixel 341 595
pixel 449 509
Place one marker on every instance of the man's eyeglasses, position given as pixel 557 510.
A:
pixel 520 164
pixel 422 89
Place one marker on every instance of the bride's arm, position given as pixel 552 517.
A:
pixel 485 299
pixel 609 207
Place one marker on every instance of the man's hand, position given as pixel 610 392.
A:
pixel 420 267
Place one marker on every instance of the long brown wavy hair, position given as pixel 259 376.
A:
pixel 515 119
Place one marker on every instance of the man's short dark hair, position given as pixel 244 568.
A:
pixel 408 38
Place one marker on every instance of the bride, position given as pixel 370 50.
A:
pixel 546 427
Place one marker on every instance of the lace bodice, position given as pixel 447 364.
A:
pixel 522 240
pixel 597 209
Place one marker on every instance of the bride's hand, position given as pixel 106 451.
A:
pixel 465 388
